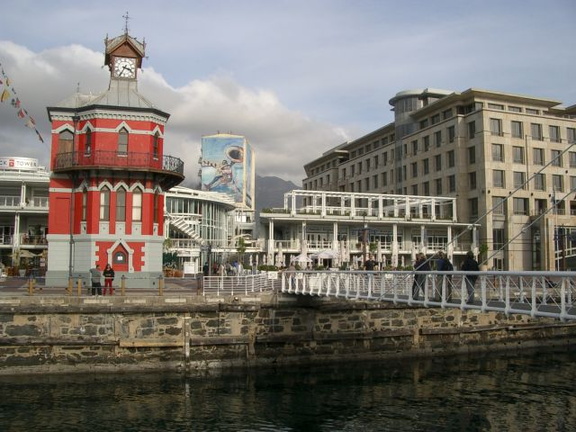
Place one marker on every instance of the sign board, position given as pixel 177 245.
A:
pixel 18 163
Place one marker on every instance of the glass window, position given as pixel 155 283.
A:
pixel 471 130
pixel 452 183
pixel 84 204
pixel 426 166
pixel 498 205
pixel 414 169
pixel 451 159
pixel 497 152
pixel 571 135
pixel 121 204
pixel 119 257
pixel 519 178
pixel 426 141
pixel 451 133
pixel 156 207
pixel 498 238
pixel 572 159
pixel 105 204
pixel 65 141
pixel 538 154
pixel 472 180
pixel 518 154
pixel 88 142
pixel 438 162
pixel 520 206
pixel 556 158
pixel 517 129
pixel 473 207
pixel 496 126
pixel 554 132
pixel 137 205
pixel 471 155
pixel 536 131
pixel 156 145
pixel 438 138
pixel 439 186
pixel 539 182
pixel 123 142
pixel 558 183
pixel 498 179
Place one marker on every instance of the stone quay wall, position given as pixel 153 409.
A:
pixel 195 334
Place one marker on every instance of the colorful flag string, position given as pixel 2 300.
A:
pixel 9 93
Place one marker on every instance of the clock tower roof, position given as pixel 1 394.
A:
pixel 124 46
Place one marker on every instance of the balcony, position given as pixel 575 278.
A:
pixel 171 167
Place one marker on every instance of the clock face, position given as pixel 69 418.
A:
pixel 124 67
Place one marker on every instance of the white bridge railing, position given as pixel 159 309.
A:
pixel 544 294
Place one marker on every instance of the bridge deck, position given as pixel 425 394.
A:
pixel 546 294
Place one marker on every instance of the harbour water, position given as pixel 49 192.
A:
pixel 521 391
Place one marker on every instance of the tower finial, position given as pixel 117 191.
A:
pixel 126 18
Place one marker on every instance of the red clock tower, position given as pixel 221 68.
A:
pixel 109 176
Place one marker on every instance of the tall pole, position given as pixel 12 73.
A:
pixel 75 119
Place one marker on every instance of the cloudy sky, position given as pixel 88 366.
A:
pixel 296 77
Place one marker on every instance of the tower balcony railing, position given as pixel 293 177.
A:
pixel 116 159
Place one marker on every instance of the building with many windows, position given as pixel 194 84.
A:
pixel 23 214
pixel 109 175
pixel 509 160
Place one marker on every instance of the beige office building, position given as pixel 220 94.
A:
pixel 510 161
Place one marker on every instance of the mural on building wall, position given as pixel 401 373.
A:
pixel 225 167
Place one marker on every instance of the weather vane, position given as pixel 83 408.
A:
pixel 126 18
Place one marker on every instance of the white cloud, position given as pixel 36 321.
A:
pixel 282 138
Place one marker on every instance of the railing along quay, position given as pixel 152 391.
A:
pixel 539 294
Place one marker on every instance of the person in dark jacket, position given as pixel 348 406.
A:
pixel 108 274
pixel 444 265
pixel 470 265
pixel 420 266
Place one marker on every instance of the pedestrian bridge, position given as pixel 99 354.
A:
pixel 539 294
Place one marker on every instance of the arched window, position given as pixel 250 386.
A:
pixel 123 141
pixel 84 204
pixel 119 257
pixel 105 204
pixel 121 204
pixel 156 206
pixel 88 142
pixel 65 142
pixel 156 145
pixel 137 205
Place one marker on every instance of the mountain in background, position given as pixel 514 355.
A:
pixel 270 191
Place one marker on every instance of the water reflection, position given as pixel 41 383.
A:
pixel 527 392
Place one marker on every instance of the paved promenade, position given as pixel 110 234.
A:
pixel 16 286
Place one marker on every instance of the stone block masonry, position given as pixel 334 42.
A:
pixel 192 334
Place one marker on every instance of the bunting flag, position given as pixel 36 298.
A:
pixel 9 92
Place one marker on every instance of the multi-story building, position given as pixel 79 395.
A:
pixel 202 226
pixel 510 161
pixel 23 214
pixel 341 229
pixel 109 176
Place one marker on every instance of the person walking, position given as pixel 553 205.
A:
pixel 470 265
pixel 108 279
pixel 444 265
pixel 95 276
pixel 420 267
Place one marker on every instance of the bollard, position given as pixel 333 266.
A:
pixel 69 288
pixel 123 285
pixel 30 286
pixel 160 285
pixel 79 285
